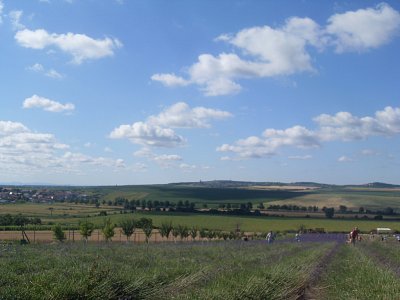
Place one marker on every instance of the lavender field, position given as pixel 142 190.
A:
pixel 317 267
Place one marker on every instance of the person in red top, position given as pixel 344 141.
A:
pixel 354 235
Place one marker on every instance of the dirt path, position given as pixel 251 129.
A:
pixel 309 291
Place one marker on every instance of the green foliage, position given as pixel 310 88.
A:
pixel 329 212
pixel 144 222
pixel 128 227
pixel 193 232
pixel 108 229
pixel 59 233
pixel 86 229
pixel 203 233
pixel 165 229
pixel 183 231
pixel 147 228
pixel 175 232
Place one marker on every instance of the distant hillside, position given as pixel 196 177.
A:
pixel 233 184
pixel 381 185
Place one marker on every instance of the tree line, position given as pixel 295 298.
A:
pixel 166 230
pixel 18 220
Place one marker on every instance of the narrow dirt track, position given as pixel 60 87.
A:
pixel 308 291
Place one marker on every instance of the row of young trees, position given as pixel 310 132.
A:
pixel 18 220
pixel 294 208
pixel 166 230
pixel 128 227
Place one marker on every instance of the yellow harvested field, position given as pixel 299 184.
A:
pixel 282 187
pixel 310 200
pixel 55 209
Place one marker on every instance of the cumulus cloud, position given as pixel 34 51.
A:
pixel 272 52
pixel 80 46
pixel 148 135
pixel 25 151
pixel 170 79
pixel 364 29
pixel 180 115
pixel 265 51
pixel 158 130
pixel 163 160
pixel 48 105
pixel 342 126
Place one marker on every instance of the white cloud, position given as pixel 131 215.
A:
pixel 271 141
pixel 82 159
pixel 180 115
pixel 342 126
pixel 187 168
pixel 79 46
pixel 36 68
pixel 15 18
pixel 148 135
pixel 167 157
pixel 346 127
pixel 344 159
pixel 282 51
pixel 157 130
pixel 54 74
pixel 364 29
pixel 140 167
pixel 170 79
pixel 25 152
pixel 49 73
pixel 8 127
pixel 163 160
pixel 272 52
pixel 166 160
pixel 48 105
pixel 144 152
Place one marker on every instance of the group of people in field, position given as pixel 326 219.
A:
pixel 271 237
pixel 354 236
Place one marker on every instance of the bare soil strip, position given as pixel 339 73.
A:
pixel 308 291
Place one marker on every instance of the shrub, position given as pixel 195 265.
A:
pixel 58 233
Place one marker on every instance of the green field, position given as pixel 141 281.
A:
pixel 246 223
pixel 72 214
pixel 201 270
pixel 369 198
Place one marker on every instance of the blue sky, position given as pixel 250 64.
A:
pixel 136 92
